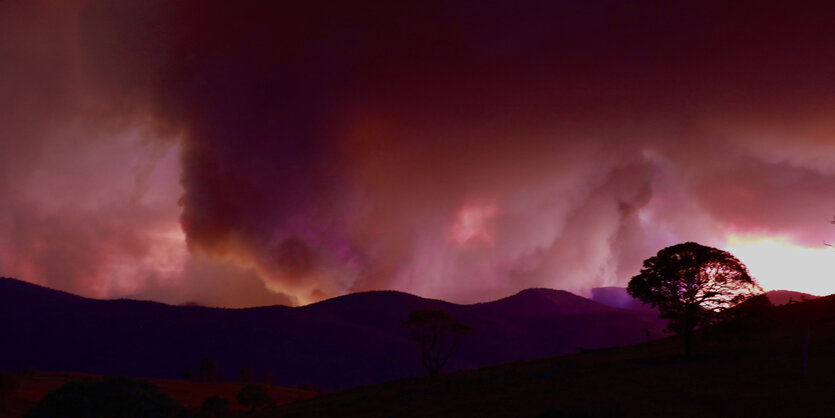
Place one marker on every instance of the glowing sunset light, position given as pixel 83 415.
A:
pixel 458 153
pixel 777 263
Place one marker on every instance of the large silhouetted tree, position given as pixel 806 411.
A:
pixel 691 283
pixel 437 334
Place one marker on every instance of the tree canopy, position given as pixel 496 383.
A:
pixel 690 283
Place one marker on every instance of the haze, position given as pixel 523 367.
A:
pixel 243 154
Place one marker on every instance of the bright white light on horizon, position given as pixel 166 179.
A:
pixel 777 263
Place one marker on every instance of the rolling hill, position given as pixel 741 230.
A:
pixel 347 341
pixel 619 298
pixel 752 366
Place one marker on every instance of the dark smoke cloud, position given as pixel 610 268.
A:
pixel 442 148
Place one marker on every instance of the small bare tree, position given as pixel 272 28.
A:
pixel 437 334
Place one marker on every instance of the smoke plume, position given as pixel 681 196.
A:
pixel 177 150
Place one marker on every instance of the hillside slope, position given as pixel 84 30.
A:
pixel 752 366
pixel 347 341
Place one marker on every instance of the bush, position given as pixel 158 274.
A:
pixel 254 396
pixel 115 397
pixel 215 407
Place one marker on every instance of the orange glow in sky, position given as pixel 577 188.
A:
pixel 473 225
pixel 778 263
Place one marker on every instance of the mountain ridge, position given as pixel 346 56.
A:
pixel 342 342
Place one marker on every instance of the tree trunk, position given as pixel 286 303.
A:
pixel 804 364
pixel 688 339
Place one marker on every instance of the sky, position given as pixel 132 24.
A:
pixel 251 154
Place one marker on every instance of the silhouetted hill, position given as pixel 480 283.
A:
pixel 540 302
pixel 751 366
pixel 782 297
pixel 619 298
pixel 341 342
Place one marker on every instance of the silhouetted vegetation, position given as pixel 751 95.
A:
pixel 254 396
pixel 691 284
pixel 116 398
pixel 215 407
pixel 437 334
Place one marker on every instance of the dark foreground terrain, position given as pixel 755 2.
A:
pixel 762 361
pixel 20 392
pixel 335 344
pixel 752 366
